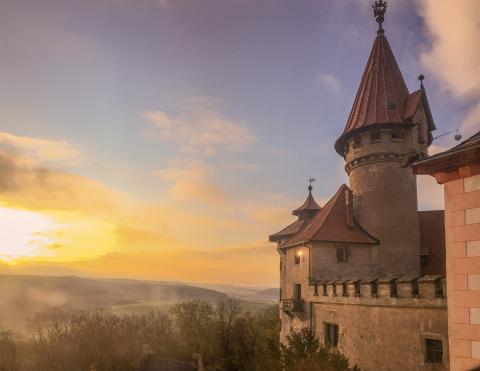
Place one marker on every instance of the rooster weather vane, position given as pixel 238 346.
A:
pixel 379 9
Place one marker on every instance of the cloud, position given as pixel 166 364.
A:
pixel 200 129
pixel 329 82
pixel 454 57
pixel 39 151
pixel 226 266
pixel 191 182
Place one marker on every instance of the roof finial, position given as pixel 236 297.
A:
pixel 310 180
pixel 379 9
pixel 421 78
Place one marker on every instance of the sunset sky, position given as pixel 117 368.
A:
pixel 166 139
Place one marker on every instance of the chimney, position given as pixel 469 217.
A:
pixel 349 206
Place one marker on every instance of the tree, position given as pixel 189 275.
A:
pixel 303 351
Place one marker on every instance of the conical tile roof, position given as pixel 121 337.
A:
pixel 382 94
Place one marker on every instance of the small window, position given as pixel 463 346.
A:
pixel 357 141
pixel 396 134
pixel 296 259
pixel 297 292
pixel 331 334
pixel 434 348
pixel 424 261
pixel 280 294
pixel 324 289
pixel 375 134
pixel 342 254
pixel 392 105
pixel 315 288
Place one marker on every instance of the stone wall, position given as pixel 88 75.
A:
pixel 385 197
pixel 383 323
pixel 325 265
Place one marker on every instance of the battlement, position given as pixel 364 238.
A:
pixel 398 291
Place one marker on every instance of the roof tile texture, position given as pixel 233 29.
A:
pixel 330 224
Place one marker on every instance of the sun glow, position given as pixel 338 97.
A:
pixel 23 233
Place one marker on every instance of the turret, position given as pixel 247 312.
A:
pixel 386 129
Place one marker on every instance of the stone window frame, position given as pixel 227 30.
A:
pixel 424 355
pixel 326 326
pixel 357 141
pixel 396 135
pixel 375 135
pixel 346 256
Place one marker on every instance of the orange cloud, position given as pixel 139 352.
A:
pixel 200 129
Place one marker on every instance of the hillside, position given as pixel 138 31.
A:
pixel 23 296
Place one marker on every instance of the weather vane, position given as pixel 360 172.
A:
pixel 379 9
pixel 310 180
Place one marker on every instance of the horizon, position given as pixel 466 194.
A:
pixel 166 140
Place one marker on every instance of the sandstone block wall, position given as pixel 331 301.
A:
pixel 462 227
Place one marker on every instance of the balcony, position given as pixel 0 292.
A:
pixel 292 305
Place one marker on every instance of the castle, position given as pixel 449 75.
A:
pixel 365 271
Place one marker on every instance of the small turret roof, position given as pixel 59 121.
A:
pixel 310 205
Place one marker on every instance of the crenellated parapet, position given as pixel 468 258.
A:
pixel 395 291
pixel 379 144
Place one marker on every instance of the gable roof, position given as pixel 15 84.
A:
pixel 466 153
pixel 330 224
pixel 288 231
pixel 411 106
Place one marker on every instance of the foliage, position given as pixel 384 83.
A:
pixel 227 339
pixel 302 351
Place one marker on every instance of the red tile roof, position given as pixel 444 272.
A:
pixel 330 224
pixel 432 240
pixel 289 230
pixel 310 206
pixel 466 153
pixel 382 97
pixel 382 92
pixel 412 103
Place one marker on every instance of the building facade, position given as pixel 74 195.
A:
pixel 365 269
pixel 459 170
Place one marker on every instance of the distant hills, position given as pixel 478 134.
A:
pixel 21 296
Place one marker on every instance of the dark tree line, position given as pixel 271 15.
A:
pixel 226 338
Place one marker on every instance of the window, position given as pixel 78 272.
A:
pixel 374 134
pixel 331 334
pixel 342 254
pixel 315 288
pixel 434 350
pixel 357 141
pixel 280 294
pixel 281 265
pixel 423 261
pixel 396 134
pixel 296 259
pixel 324 289
pixel 297 292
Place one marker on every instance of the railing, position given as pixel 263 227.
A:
pixel 292 305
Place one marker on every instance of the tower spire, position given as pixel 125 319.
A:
pixel 379 9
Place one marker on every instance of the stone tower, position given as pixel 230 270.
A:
pixel 387 128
